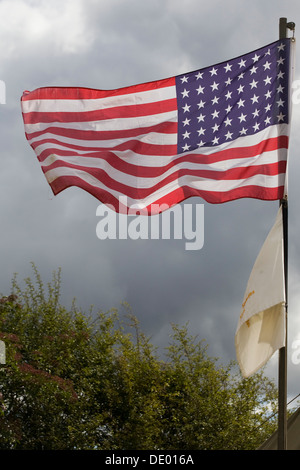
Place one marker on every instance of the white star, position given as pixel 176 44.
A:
pixel 228 68
pixel 268 94
pixel 268 52
pixel 213 71
pixel 268 108
pixel 242 63
pixel 228 95
pixel 241 75
pixel 186 135
pixel 255 58
pixel 215 128
pixel 281 47
pixel 228 135
pixel 241 103
pixel 201 143
pixel 280 117
pixel 201 117
pixel 216 140
pixel 256 113
pixel 243 131
pixel 215 100
pixel 280 61
pixel 201 104
pixel 214 86
pixel 186 147
pixel 280 74
pixel 215 114
pixel 186 122
pixel 240 89
pixel 185 93
pixel 227 122
pixel 267 80
pixel 186 108
pixel 280 103
pixel 228 109
pixel 256 127
pixel 184 79
pixel 200 89
pixel 253 70
pixel 253 84
pixel 280 89
pixel 242 117
pixel 254 99
pixel 228 81
pixel 267 65
pixel 201 131
pixel 199 75
pixel 267 121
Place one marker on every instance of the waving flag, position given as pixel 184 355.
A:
pixel 261 327
pixel 220 133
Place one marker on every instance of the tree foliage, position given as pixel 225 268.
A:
pixel 80 381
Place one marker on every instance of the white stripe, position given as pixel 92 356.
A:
pixel 203 184
pixel 146 182
pixel 245 141
pixel 155 161
pixel 249 140
pixel 263 159
pixel 163 160
pixel 149 138
pixel 85 105
pixel 106 124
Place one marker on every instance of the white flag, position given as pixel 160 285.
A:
pixel 261 326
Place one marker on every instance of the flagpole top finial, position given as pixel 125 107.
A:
pixel 284 25
pixel 291 25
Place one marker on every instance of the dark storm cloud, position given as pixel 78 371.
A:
pixel 109 44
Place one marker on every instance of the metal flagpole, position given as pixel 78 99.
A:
pixel 282 366
pixel 282 372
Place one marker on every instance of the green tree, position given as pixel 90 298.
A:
pixel 210 406
pixel 93 381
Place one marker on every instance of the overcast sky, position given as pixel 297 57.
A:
pixel 111 44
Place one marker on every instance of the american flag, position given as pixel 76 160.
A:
pixel 220 133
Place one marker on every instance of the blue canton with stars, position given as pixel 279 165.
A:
pixel 239 97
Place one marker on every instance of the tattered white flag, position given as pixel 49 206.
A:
pixel 261 327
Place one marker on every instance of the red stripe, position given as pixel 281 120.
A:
pixel 77 93
pixel 116 112
pixel 114 160
pixel 213 197
pixel 153 172
pixel 162 128
pixel 177 196
pixel 141 193
pixel 136 146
